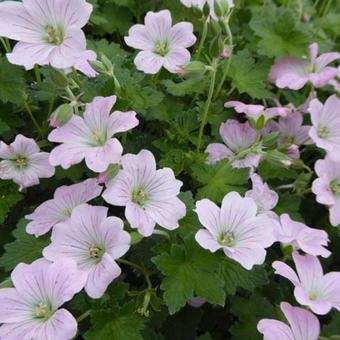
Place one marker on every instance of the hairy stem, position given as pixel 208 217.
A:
pixel 139 268
pixel 207 104
pixel 34 121
pixel 5 45
pixel 37 73
pixel 83 316
pixel 203 37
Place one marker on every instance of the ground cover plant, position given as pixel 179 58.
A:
pixel 169 169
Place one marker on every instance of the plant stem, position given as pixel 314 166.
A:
pixel 140 268
pixel 37 73
pixel 203 37
pixel 227 64
pixel 73 99
pixel 83 316
pixel 4 44
pixel 162 233
pixel 34 121
pixel 207 104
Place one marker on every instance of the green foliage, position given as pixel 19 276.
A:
pixel 189 270
pixel 279 31
pixel 219 179
pixel 12 82
pixel 26 248
pixel 249 76
pixel 9 197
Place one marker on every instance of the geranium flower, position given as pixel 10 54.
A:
pixel 294 73
pixel 327 187
pixel 303 325
pixel 48 31
pixel 23 162
pixel 149 195
pixel 160 43
pixel 265 198
pixel 291 129
pixel 238 137
pixel 90 137
pixel 320 292
pixel 326 125
pixel 299 236
pixel 30 310
pixel 235 228
pixel 256 111
pixel 82 63
pixel 94 241
pixel 59 209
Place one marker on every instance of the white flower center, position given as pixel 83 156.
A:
pixel 54 35
pixel 67 212
pixel 323 132
pixel 96 252
pixel 335 187
pixel 226 239
pixel 99 138
pixel 139 196
pixel 43 311
pixel 314 295
pixel 162 48
pixel 20 162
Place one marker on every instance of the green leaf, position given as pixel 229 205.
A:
pixel 219 179
pixel 189 271
pixel 280 31
pixel 235 276
pixel 116 324
pixel 249 76
pixel 26 248
pixel 9 197
pixel 333 327
pixel 12 82
pixel 195 84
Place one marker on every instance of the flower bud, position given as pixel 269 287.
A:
pixel 193 67
pixel 61 115
pixel 107 175
pixel 226 53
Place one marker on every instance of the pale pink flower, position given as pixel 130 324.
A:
pixel 30 310
pixel 196 302
pixel 200 4
pixel 295 73
pixel 265 198
pixel 256 111
pixel 326 125
pixel 291 129
pixel 59 209
pixel 90 137
pixel 237 137
pixel 299 236
pixel 235 228
pixel 320 292
pixel 161 44
pixel 94 241
pixel 149 195
pixel 194 3
pixel 327 187
pixel 48 31
pixel 82 63
pixel 303 325
pixel 23 162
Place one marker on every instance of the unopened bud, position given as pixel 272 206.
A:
pixel 225 53
pixel 106 176
pixel 194 67
pixel 61 115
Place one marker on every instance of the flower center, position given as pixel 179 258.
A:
pixel 139 196
pixel 161 48
pixel 67 212
pixel 335 186
pixel 288 139
pixel 96 252
pixel 99 138
pixel 314 295
pixel 43 311
pixel 226 239
pixel 54 35
pixel 20 162
pixel 323 132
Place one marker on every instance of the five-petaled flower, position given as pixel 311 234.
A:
pixel 235 228
pixel 160 43
pixel 149 195
pixel 23 162
pixel 30 310
pixel 295 73
pixel 59 209
pixel 94 241
pixel 319 291
pixel 90 137
pixel 48 31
